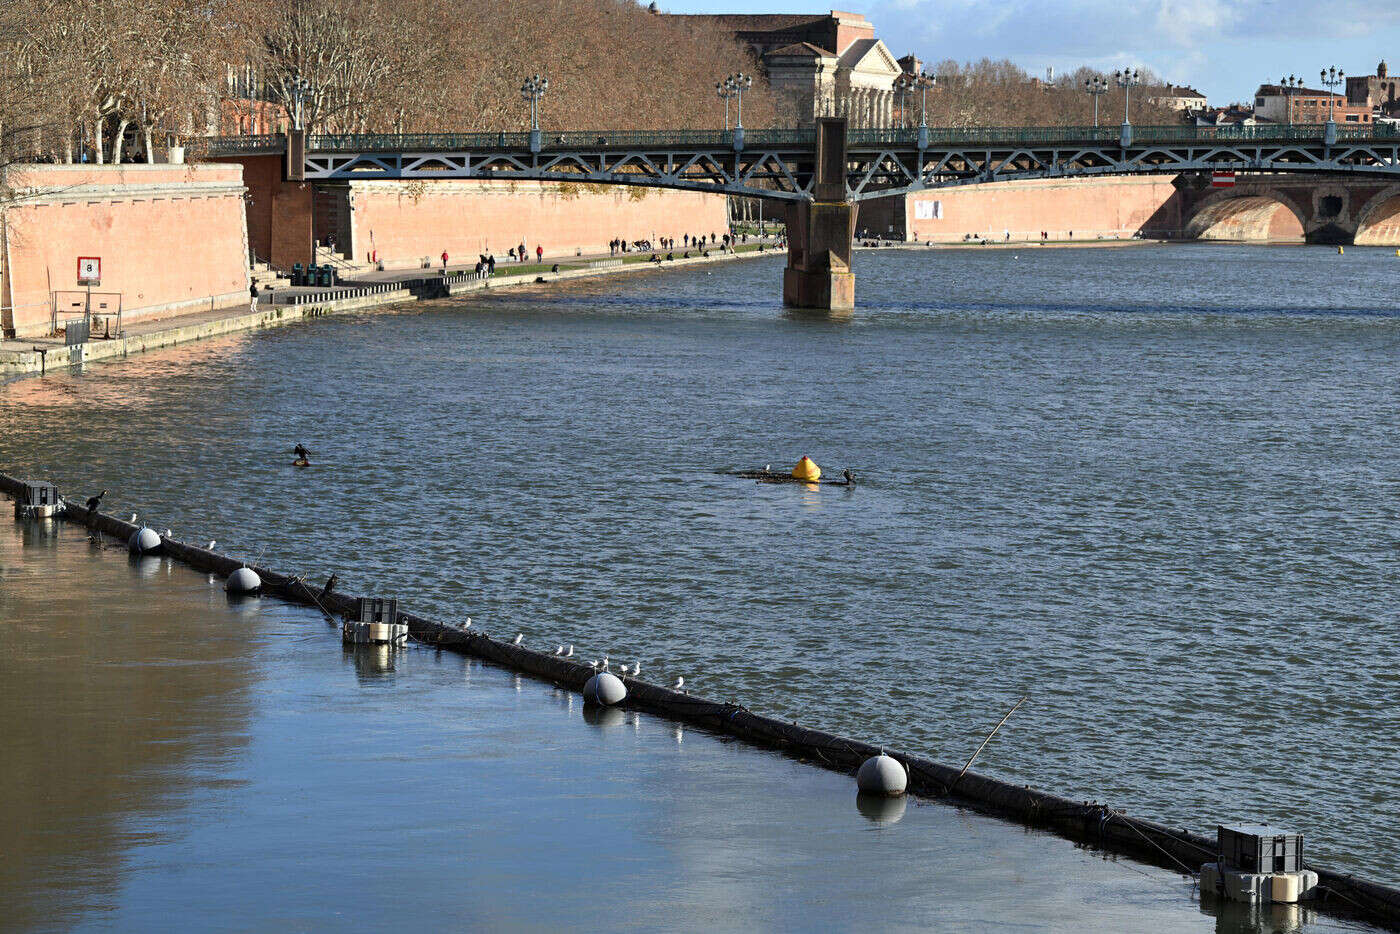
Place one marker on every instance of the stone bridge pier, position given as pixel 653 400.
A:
pixel 818 273
pixel 1326 209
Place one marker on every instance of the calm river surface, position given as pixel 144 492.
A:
pixel 1153 489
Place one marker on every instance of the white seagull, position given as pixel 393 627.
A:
pixel 593 664
pixel 605 663
pixel 570 652
pixel 167 533
pixel 559 651
pixel 518 637
pixel 680 683
pixel 133 518
pixel 467 624
pixel 636 669
pixel 212 543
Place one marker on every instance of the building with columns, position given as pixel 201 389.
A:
pixel 828 65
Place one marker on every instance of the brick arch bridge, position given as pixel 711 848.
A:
pixel 1330 209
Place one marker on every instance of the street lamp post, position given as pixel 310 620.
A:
pixel 1290 86
pixel 737 84
pixel 1127 80
pixel 902 84
pixel 723 92
pixel 1332 78
pixel 532 90
pixel 923 82
pixel 1096 87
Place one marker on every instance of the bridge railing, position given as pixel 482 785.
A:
pixel 571 140
pixel 575 140
pixel 236 145
pixel 1012 136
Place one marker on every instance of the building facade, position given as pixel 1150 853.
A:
pixel 1276 104
pixel 1184 100
pixel 1379 92
pixel 819 66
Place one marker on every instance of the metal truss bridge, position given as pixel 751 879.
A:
pixel 781 164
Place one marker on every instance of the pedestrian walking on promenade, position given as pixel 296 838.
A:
pixel 539 253
pixel 520 253
pixel 491 264
pixel 444 261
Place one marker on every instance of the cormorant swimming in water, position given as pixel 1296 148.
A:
pixel 850 479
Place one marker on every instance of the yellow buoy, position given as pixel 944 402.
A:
pixel 807 471
pixel 1340 251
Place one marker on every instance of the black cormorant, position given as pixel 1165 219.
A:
pixel 94 501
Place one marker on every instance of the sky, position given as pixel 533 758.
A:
pixel 1225 49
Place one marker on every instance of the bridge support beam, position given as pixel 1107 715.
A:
pixel 820 231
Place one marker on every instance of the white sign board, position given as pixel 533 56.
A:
pixel 928 210
pixel 89 270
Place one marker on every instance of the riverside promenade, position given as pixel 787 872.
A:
pixel 362 290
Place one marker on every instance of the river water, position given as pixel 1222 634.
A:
pixel 1151 489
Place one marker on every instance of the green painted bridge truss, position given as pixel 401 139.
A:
pixel 780 164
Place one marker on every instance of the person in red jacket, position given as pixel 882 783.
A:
pixel 444 261
pixel 539 253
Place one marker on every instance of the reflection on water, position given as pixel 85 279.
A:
pixel 880 809
pixel 175 756
pixel 113 713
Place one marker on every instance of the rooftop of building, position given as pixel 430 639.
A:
pixel 1173 90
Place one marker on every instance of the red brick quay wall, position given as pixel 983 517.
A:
pixel 172 239
pixel 1108 207
pixel 404 222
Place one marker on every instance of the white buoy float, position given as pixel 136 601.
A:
pixel 144 541
pixel 243 580
pixel 882 775
pixel 604 690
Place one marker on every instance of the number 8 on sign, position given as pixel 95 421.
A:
pixel 89 270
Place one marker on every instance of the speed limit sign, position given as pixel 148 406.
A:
pixel 89 270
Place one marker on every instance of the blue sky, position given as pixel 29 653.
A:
pixel 1225 48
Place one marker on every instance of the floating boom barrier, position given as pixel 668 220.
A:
pixel 1088 822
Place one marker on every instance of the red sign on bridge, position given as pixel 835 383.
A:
pixel 1222 180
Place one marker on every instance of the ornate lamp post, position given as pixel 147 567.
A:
pixel 902 84
pixel 1097 87
pixel 923 82
pixel 1290 86
pixel 725 94
pixel 737 84
pixel 1127 80
pixel 532 90
pixel 1332 78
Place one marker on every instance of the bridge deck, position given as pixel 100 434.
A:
pixel 779 163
